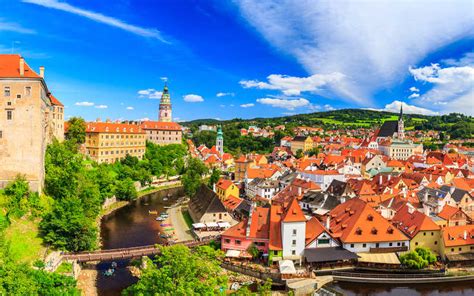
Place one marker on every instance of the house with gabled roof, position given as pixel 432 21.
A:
pixel 453 216
pixel 205 206
pixel 361 229
pixel 419 228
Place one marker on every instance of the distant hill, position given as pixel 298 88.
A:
pixel 456 125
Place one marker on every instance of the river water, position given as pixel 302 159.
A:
pixel 133 226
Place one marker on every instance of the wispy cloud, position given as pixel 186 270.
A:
pixel 84 104
pixel 289 104
pixel 130 108
pixel 101 106
pixel 414 89
pixel 100 18
pixel 224 94
pixel 414 95
pixel 409 109
pixel 14 27
pixel 150 93
pixel 344 37
pixel 248 105
pixel 192 98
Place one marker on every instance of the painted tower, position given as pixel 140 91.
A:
pixel 401 127
pixel 220 141
pixel 165 106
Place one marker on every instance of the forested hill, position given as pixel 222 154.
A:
pixel 455 124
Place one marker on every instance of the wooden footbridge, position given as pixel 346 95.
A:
pixel 128 253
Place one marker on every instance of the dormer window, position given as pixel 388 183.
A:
pixel 390 230
pixel 359 231
pixel 370 217
pixel 374 230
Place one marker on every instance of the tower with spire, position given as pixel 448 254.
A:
pixel 220 141
pixel 165 106
pixel 401 126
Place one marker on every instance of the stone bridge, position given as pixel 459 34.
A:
pixel 128 253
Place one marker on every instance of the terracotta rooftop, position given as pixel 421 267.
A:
pixel 109 127
pixel 10 67
pixel 157 125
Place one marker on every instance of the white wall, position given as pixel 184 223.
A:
pixel 324 235
pixel 360 248
pixel 288 237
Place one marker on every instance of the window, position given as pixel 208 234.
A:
pixel 390 244
pixel 1 134
pixel 436 242
pixel 293 243
pixel 364 245
pixel 293 252
pixel 416 244
pixel 275 253
pixel 323 241
pixel 227 241
pixel 352 245
pixel 9 114
pixel 237 242
pixel 294 232
pixel 6 91
pixel 27 90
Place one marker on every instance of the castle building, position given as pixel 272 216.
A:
pixel 108 142
pixel 220 141
pixel 164 131
pixel 26 121
pixel 165 106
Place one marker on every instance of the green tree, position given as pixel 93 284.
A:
pixel 418 259
pixel 299 153
pixel 265 289
pixel 180 271
pixel 67 227
pixel 192 178
pixel 17 193
pixel 214 178
pixel 253 250
pixel 76 131
pixel 125 189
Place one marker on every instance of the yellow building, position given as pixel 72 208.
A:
pixel 25 121
pixel 57 123
pixel 419 228
pixel 225 188
pixel 108 142
pixel 301 143
pixel 457 240
pixel 162 133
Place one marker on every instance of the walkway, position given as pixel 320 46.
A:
pixel 181 229
pixel 126 253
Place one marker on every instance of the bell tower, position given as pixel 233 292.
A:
pixel 165 106
pixel 401 126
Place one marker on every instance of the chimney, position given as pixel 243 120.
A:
pixel 389 177
pixel 22 66
pixel 380 179
pixel 299 191
pixel 42 71
pixel 328 222
pixel 465 235
pixel 425 197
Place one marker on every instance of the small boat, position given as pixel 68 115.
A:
pixel 166 224
pixel 160 219
pixel 109 272
pixel 152 212
pixel 164 236
pixel 114 264
pixel 164 214
pixel 165 198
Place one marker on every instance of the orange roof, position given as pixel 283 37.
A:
pixel 158 125
pixel 258 227
pixel 412 223
pixel 356 222
pixel 314 228
pixel 294 213
pixel 458 235
pixel 447 212
pixel 253 173
pixel 10 67
pixel 224 183
pixel 55 101
pixel 276 212
pixel 231 202
pixel 395 163
pixel 109 127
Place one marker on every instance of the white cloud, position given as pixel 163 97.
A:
pixel 100 18
pixel 414 89
pixel 222 106
pixel 289 104
pixel 414 95
pixel 14 27
pixel 192 98
pixel 453 87
pixel 130 108
pixel 409 109
pixel 101 106
pixel 328 107
pixel 150 93
pixel 223 94
pixel 84 104
pixel 293 86
pixel 248 105
pixel 143 119
pixel 164 79
pixel 345 36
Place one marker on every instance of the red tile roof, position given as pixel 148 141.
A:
pixel 276 212
pixel 158 125
pixel 258 227
pixel 109 127
pixel 10 67
pixel 447 212
pixel 314 228
pixel 458 235
pixel 55 101
pixel 231 202
pixel 294 213
pixel 224 184
pixel 412 223
pixel 356 222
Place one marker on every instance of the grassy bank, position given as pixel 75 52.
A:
pixel 25 244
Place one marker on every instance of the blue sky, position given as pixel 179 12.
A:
pixel 246 58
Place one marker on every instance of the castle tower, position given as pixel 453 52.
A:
pixel 220 141
pixel 401 127
pixel 165 106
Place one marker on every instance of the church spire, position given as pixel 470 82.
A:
pixel 400 117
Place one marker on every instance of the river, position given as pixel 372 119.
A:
pixel 133 226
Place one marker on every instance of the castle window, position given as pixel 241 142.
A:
pixel 6 91
pixel 9 114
